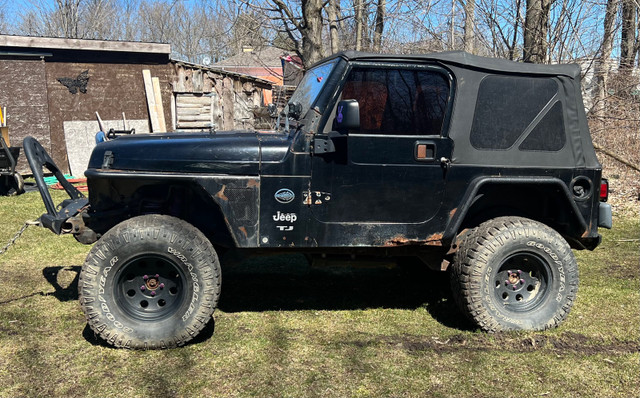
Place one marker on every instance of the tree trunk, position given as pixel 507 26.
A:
pixel 379 26
pixel 452 27
pixel 628 40
pixel 334 36
pixel 638 36
pixel 602 66
pixel 469 25
pixel 536 27
pixel 514 41
pixel 312 33
pixel 359 23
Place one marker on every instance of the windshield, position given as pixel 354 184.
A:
pixel 307 91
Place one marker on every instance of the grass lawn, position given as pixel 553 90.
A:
pixel 286 329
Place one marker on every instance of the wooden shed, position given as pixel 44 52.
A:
pixel 205 97
pixel 52 89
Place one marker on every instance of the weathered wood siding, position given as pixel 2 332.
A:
pixel 206 98
pixel 24 93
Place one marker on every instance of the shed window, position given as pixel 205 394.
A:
pixel 506 106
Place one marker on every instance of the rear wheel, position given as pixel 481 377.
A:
pixel 151 282
pixel 513 273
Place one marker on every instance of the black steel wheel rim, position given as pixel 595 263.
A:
pixel 522 282
pixel 150 287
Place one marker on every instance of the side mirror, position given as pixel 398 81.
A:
pixel 347 116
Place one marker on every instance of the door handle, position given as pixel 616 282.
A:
pixel 425 151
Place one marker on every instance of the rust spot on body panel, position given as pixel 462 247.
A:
pixel 221 194
pixel 401 240
pixel 452 213
pixel 244 231
pixel 253 183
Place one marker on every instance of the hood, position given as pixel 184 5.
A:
pixel 233 152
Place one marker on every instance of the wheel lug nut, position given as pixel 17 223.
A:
pixel 145 277
pixel 143 288
pixel 161 286
pixel 519 272
pixel 153 293
pixel 514 288
pixel 157 276
pixel 522 281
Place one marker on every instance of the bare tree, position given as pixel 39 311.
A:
pixel 381 10
pixel 4 26
pixel 302 22
pixel 602 66
pixel 628 36
pixel 359 23
pixel 333 18
pixel 469 25
pixel 535 31
pixel 72 19
pixel 638 35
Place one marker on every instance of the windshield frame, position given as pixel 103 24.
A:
pixel 310 87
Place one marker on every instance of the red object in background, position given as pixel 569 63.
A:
pixel 82 188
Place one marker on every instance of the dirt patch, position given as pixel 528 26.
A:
pixel 566 343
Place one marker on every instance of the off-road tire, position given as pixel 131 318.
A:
pixel 150 282
pixel 15 185
pixel 512 273
pixel 19 184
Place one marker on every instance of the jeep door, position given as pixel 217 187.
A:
pixel 392 169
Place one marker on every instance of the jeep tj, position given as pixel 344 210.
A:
pixel 483 167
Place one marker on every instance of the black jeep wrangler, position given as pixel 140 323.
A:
pixel 482 167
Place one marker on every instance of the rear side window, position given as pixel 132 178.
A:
pixel 508 105
pixel 398 101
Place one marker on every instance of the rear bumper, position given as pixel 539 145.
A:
pixel 605 218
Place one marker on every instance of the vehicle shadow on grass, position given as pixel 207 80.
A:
pixel 290 283
pixel 64 281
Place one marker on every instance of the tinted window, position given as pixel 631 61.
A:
pixel 548 135
pixel 402 102
pixel 506 106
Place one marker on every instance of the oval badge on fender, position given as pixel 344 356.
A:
pixel 285 195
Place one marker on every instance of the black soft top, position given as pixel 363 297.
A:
pixel 469 72
pixel 463 59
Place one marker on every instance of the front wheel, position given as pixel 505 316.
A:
pixel 152 281
pixel 513 273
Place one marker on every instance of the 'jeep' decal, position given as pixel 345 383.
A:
pixel 285 195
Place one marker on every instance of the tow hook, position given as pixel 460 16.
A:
pixel 75 225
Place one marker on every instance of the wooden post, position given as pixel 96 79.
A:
pixel 151 100
pixel 159 107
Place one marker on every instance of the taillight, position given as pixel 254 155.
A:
pixel 604 190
